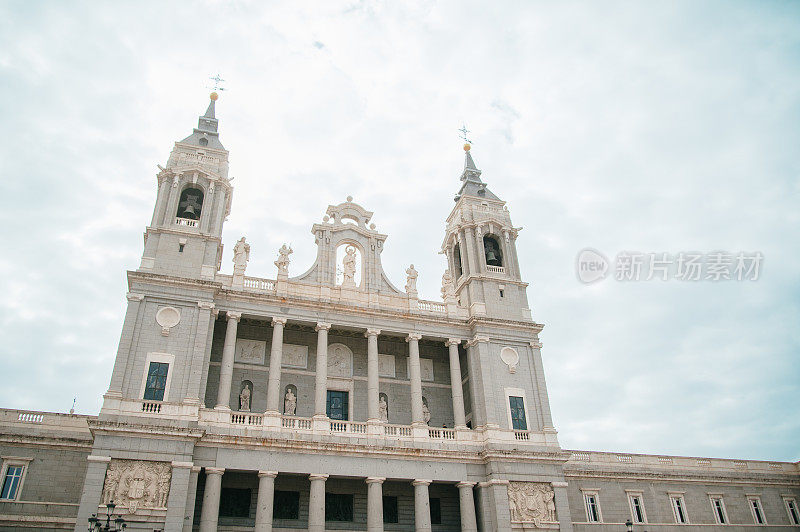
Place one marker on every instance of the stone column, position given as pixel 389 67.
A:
pixel 495 510
pixel 275 357
pixel 266 495
pixel 201 338
pixel 210 512
pixel 178 491
pixel 158 212
pixel 207 355
pixel 191 497
pixel 207 209
pixel 562 506
pixel 125 342
pixel 316 503
pixel 456 389
pixel 375 504
pixel 422 506
pixel 226 368
pixel 373 415
pixel 416 379
pixel 321 382
pixel 467 506
pixel 92 490
pixel 481 249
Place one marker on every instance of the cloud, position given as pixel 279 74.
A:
pixel 614 126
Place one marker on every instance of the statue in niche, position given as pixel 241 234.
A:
pixel 383 409
pixel 283 259
pixel 241 254
pixel 289 403
pixel 411 282
pixel 244 399
pixel 448 289
pixel 426 412
pixel 349 264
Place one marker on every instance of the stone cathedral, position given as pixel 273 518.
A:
pixel 334 400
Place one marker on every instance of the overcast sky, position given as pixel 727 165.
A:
pixel 636 126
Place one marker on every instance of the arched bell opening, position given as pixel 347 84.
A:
pixel 457 261
pixel 190 205
pixel 492 250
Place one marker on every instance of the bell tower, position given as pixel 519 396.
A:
pixel 480 245
pixel 184 238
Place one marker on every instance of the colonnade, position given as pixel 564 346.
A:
pixel 321 378
pixel 316 507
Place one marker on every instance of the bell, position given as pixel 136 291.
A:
pixel 491 258
pixel 189 212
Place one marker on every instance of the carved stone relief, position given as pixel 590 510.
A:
pixel 386 366
pixel 510 358
pixel 340 361
pixel 295 356
pixel 167 318
pixel 532 502
pixel 426 369
pixel 250 351
pixel 137 484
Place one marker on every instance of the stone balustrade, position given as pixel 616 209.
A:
pixel 186 222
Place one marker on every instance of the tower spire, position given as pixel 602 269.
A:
pixel 206 133
pixel 471 179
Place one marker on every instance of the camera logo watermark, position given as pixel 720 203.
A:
pixel 592 266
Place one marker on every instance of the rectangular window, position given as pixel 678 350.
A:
pixel 518 420
pixel 679 509
pixel 592 507
pixel 338 506
pixel 436 511
pixel 719 510
pixel 390 514
pixel 286 505
pixel 757 510
pixel 156 381
pixel 637 507
pixel 234 502
pixel 337 405
pixel 791 508
pixel 11 482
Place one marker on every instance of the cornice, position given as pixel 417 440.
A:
pixel 673 476
pixel 145 431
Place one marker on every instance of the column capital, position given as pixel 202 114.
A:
pixel 271 474
pixel 466 484
pixel 322 326
pixel 375 480
pixel 277 320
pixel 452 341
pixel 182 465
pixel 233 315
pixel 414 336
pixel 536 344
pixel 215 470
pixel 559 484
pixel 421 482
pixel 95 458
pixel 318 477
pixel 372 332
pixel 215 312
pixel 205 305
pixel 196 469
pixel 133 296
pixel 478 338
pixel 494 482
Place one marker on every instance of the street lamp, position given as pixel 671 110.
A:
pixel 629 525
pixel 96 523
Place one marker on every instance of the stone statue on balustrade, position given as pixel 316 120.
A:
pixel 448 288
pixel 241 254
pixel 244 399
pixel 383 410
pixel 349 268
pixel 411 282
pixel 290 403
pixel 283 260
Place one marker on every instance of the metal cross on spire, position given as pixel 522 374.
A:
pixel 464 131
pixel 217 83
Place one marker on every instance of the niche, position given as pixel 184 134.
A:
pixel 290 400
pixel 492 249
pixel 245 396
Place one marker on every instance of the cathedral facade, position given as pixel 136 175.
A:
pixel 334 400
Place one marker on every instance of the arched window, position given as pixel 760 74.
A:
pixel 457 260
pixel 190 204
pixel 492 249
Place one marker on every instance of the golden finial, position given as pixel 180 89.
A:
pixel 213 96
pixel 467 147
